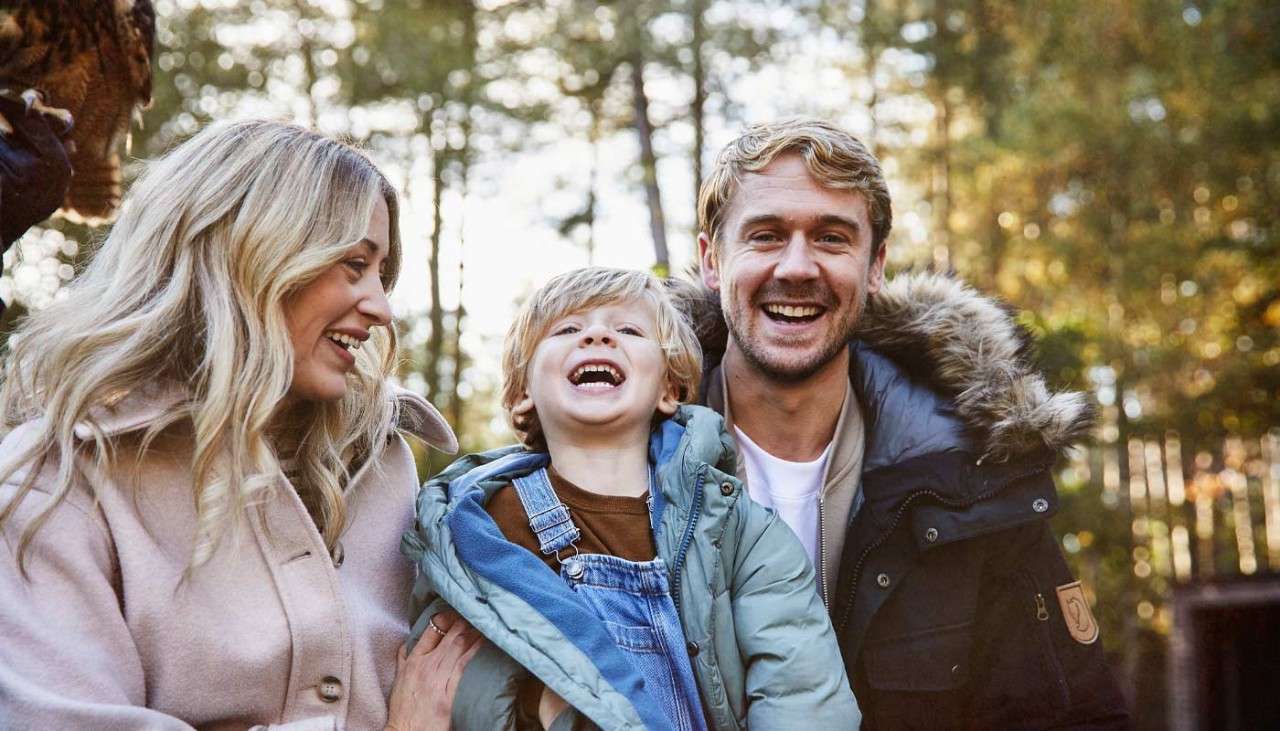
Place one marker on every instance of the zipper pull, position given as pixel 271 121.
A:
pixel 1042 613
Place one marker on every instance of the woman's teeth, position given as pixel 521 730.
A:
pixel 346 341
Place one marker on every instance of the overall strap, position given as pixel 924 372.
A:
pixel 548 517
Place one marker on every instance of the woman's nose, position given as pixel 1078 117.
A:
pixel 375 306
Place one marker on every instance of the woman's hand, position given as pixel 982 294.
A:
pixel 427 677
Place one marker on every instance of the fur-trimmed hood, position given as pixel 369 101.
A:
pixel 965 347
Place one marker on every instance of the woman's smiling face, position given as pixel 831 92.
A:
pixel 331 316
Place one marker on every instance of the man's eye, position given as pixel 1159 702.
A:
pixel 763 237
pixel 833 239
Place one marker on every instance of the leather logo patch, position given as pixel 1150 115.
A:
pixel 1081 625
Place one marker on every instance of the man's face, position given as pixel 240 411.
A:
pixel 794 269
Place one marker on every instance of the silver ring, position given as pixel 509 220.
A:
pixel 431 625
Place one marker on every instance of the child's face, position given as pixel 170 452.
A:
pixel 599 372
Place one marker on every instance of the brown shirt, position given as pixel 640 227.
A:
pixel 610 524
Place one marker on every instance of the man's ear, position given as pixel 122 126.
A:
pixel 708 267
pixel 875 271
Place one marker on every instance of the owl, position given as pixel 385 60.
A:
pixel 91 58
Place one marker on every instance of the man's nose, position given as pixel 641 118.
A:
pixel 595 335
pixel 374 305
pixel 797 262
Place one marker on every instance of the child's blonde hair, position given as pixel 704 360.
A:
pixel 586 289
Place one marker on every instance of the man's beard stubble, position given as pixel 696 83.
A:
pixel 839 335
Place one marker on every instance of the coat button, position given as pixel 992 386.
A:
pixel 330 689
pixel 1039 505
pixel 693 649
pixel 339 555
pixel 883 581
pixel 931 535
pixel 726 488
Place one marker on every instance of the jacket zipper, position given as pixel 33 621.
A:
pixel 897 518
pixel 694 512
pixel 822 553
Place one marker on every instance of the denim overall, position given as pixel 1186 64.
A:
pixel 632 598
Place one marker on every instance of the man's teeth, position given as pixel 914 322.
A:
pixel 792 310
pixel 345 341
pixel 581 371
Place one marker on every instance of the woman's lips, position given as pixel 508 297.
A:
pixel 342 352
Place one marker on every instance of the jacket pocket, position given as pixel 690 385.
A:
pixel 934 660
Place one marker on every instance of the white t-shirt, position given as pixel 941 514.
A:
pixel 790 488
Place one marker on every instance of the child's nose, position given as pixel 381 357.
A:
pixel 596 334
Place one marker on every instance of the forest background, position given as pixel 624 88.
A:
pixel 1110 169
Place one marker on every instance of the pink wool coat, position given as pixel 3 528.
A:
pixel 272 632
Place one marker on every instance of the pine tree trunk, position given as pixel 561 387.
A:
pixel 435 342
pixel 649 166
pixel 697 111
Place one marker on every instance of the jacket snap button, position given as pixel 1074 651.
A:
pixel 1039 505
pixel 955 669
pixel 726 488
pixel 931 535
pixel 339 555
pixel 693 649
pixel 330 689
pixel 883 581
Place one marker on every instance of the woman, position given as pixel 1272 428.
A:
pixel 202 487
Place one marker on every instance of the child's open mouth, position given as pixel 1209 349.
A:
pixel 793 314
pixel 597 376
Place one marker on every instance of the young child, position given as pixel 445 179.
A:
pixel 613 560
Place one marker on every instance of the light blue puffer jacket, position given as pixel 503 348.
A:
pixel 761 644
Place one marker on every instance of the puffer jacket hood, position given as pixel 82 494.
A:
pixel 929 333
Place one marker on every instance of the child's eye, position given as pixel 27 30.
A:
pixel 629 330
pixel 565 330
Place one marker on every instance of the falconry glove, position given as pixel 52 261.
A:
pixel 35 169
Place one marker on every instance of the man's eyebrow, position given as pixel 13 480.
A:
pixel 829 219
pixel 832 219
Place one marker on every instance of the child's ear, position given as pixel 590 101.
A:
pixel 669 401
pixel 524 406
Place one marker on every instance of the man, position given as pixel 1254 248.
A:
pixel 899 431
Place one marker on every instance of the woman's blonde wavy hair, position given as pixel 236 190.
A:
pixel 187 291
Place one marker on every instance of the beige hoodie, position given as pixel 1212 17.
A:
pixel 272 631
pixel 840 484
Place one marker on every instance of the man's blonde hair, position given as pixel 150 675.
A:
pixel 835 158
pixel 587 289
pixel 188 291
